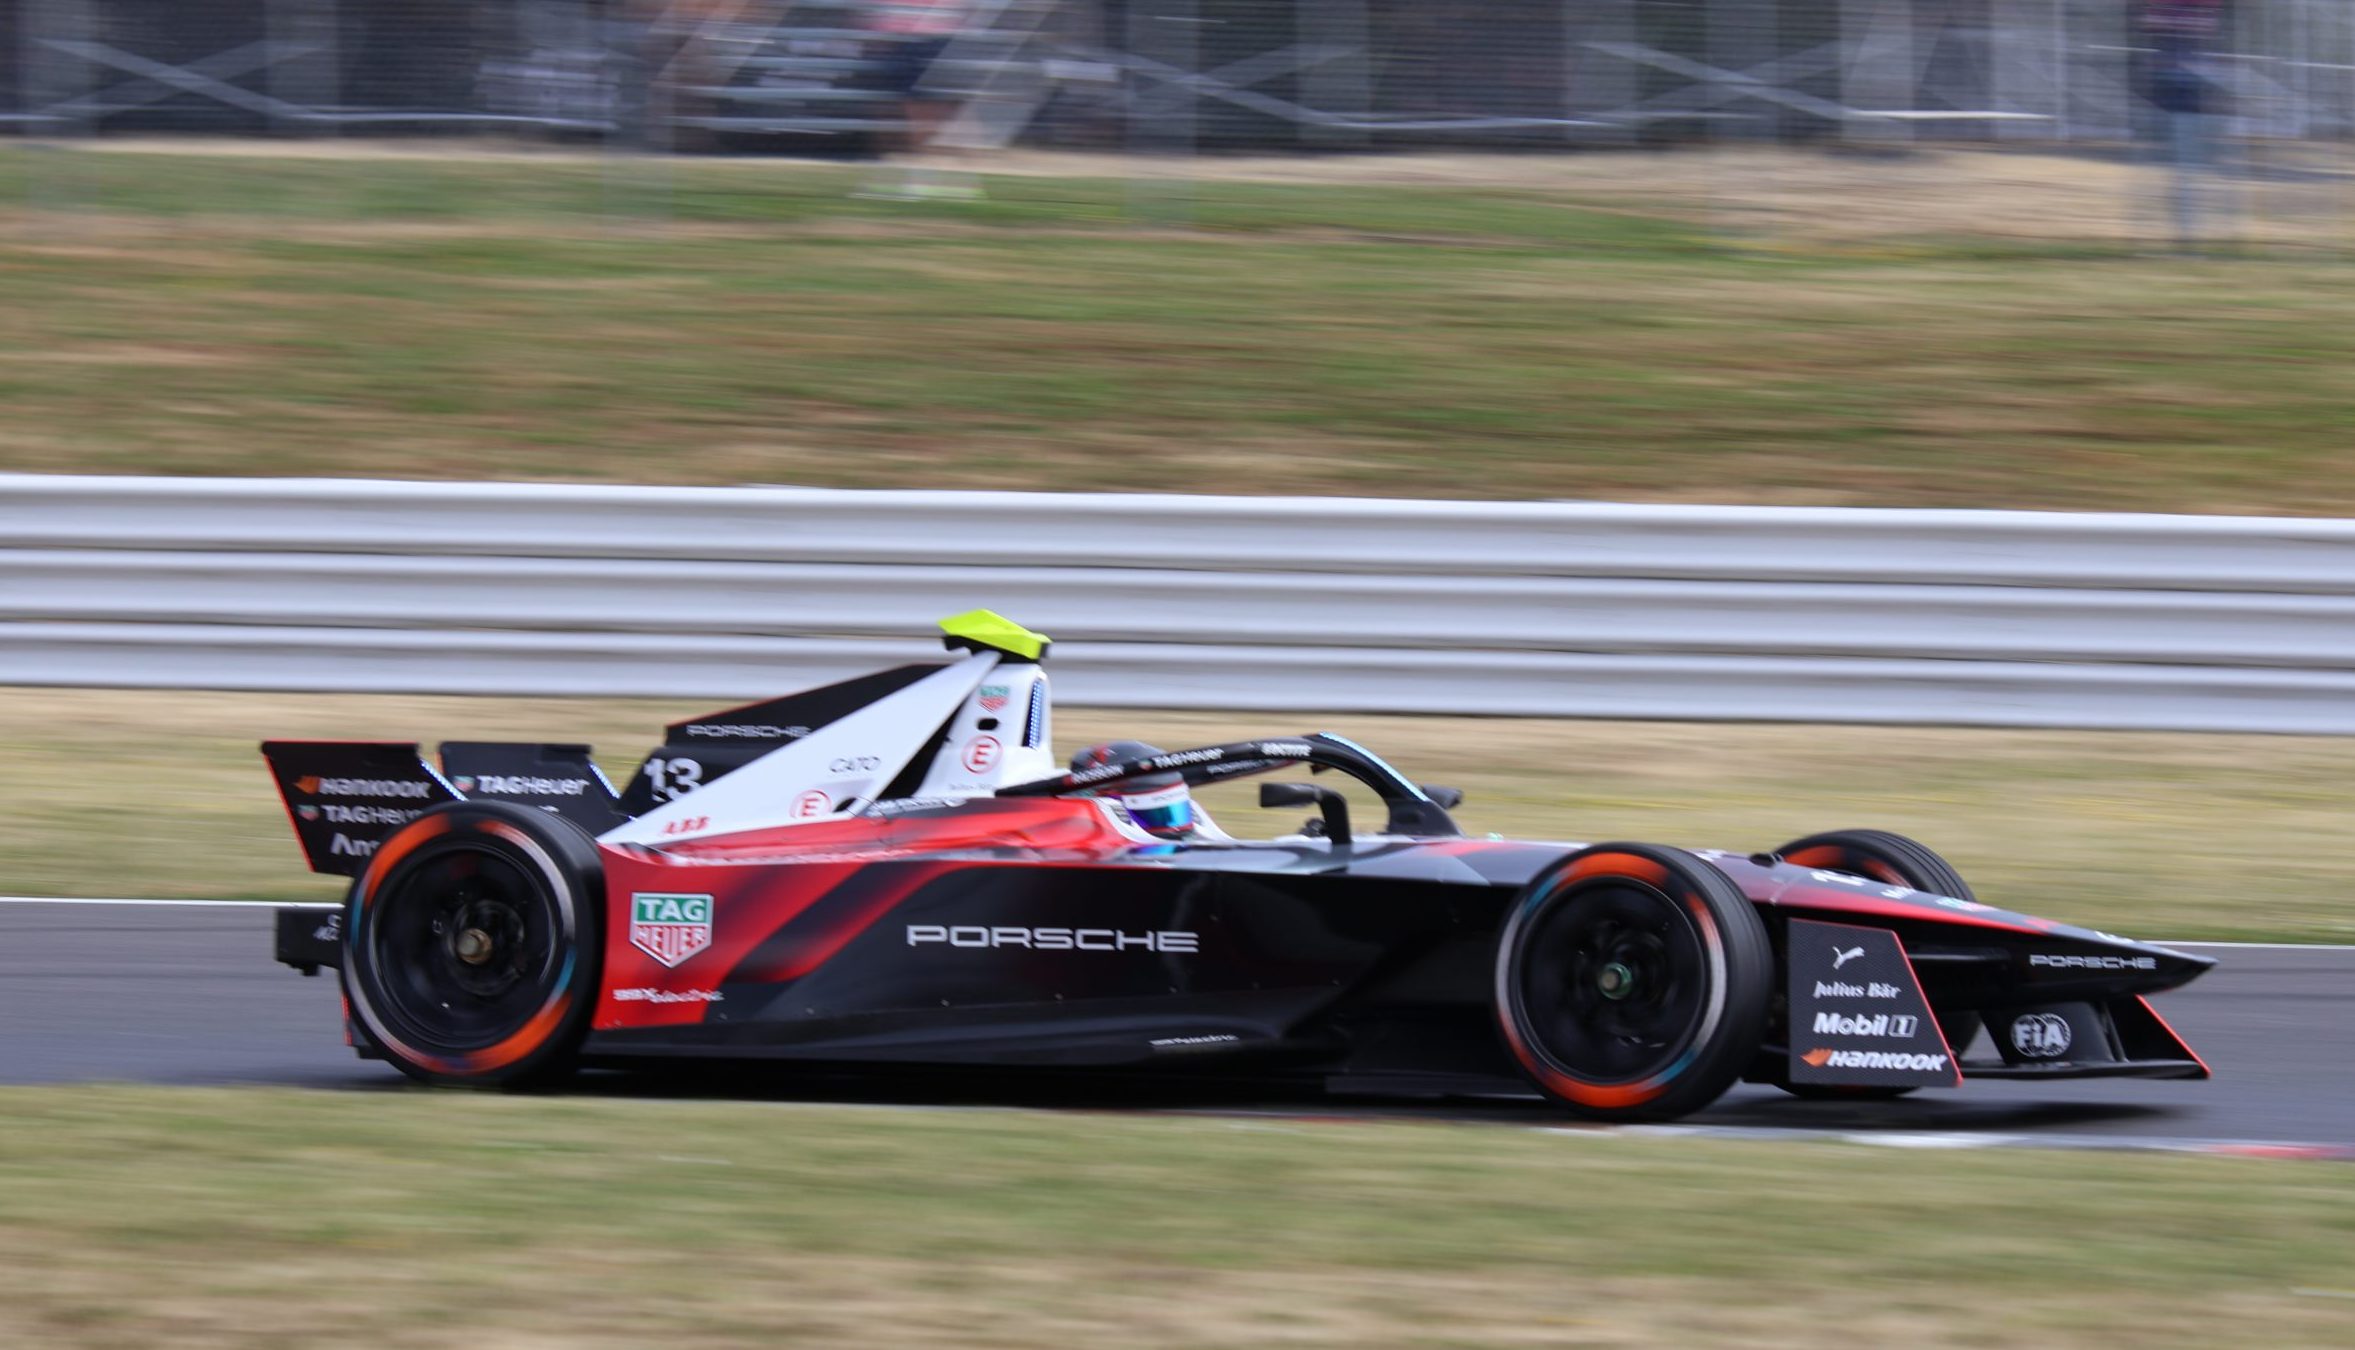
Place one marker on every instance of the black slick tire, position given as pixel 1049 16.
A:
pixel 473 945
pixel 1632 982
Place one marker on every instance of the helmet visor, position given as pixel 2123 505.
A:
pixel 1165 811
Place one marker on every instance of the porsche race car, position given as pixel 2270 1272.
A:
pixel 897 870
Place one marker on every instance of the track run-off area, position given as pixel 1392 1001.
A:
pixel 185 992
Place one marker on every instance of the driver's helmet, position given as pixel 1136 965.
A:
pixel 1157 802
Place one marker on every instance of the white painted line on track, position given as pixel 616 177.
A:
pixel 197 904
pixel 2267 946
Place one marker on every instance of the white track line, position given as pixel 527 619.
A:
pixel 2269 946
pixel 200 904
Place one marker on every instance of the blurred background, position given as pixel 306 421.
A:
pixel 2257 95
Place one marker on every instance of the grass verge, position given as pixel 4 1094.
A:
pixel 1588 328
pixel 2178 836
pixel 409 1219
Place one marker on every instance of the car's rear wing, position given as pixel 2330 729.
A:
pixel 344 797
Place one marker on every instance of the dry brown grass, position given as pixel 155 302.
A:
pixel 437 1220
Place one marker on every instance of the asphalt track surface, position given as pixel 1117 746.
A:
pixel 189 995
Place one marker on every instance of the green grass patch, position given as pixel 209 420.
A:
pixel 2169 836
pixel 1577 334
pixel 414 1218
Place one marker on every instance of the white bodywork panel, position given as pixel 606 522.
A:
pixel 845 762
pixel 1002 735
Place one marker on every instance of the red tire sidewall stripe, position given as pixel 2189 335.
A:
pixel 543 1023
pixel 1586 1092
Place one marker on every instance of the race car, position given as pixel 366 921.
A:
pixel 897 870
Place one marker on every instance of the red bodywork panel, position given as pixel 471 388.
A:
pixel 787 892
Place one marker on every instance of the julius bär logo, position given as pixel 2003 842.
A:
pixel 670 928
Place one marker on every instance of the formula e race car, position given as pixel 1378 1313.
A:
pixel 895 870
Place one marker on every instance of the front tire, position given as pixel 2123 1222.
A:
pixel 1632 982
pixel 473 944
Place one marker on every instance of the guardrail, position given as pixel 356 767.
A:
pixel 1578 609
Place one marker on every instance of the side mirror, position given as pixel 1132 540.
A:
pixel 1447 798
pixel 1331 805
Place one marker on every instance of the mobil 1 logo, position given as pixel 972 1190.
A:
pixel 1858 1016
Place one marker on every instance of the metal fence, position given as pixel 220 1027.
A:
pixel 1183 75
pixel 1558 609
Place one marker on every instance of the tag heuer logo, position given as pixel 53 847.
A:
pixel 670 928
pixel 993 696
pixel 307 812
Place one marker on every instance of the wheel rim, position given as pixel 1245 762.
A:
pixel 463 946
pixel 1614 982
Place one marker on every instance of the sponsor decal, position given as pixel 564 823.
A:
pixel 1167 1043
pixel 1967 906
pixel 747 731
pixel 2041 1035
pixel 339 814
pixel 687 825
pixel 670 927
pixel 811 804
pixel 1873 997
pixel 463 782
pixel 1286 749
pixel 1051 939
pixel 1861 1024
pixel 330 929
pixel 995 696
pixel 1843 989
pixel 525 785
pixel 1822 1058
pixel 855 764
pixel 668 996
pixel 981 754
pixel 2071 961
pixel 901 806
pixel 344 846
pixel 307 812
pixel 312 785
pixel 1180 760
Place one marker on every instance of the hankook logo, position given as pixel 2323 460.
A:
pixel 1874 1059
pixel 1051 939
pixel 315 786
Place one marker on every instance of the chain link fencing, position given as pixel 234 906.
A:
pixel 2227 109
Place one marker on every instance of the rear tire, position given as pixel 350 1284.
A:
pixel 1893 859
pixel 1878 855
pixel 473 944
pixel 1632 982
